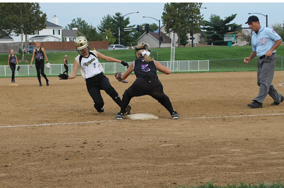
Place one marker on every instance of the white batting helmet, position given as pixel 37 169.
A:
pixel 81 43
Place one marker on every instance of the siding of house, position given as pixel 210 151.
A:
pixel 71 45
pixel 149 40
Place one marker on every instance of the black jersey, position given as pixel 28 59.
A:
pixel 12 58
pixel 39 55
pixel 143 69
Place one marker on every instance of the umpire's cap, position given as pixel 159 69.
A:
pixel 252 19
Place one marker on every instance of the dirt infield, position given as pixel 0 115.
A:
pixel 53 137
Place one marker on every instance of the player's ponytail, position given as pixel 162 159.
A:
pixel 143 50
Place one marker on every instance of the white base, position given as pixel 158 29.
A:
pixel 142 116
pixel 13 84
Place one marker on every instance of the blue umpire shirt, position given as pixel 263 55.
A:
pixel 263 40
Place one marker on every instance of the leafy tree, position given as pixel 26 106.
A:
pixel 181 17
pixel 92 34
pixel 5 22
pixel 216 28
pixel 84 29
pixel 82 25
pixel 153 27
pixel 26 18
pixel 107 35
pixel 183 38
pixel 106 24
pixel 125 35
pixel 279 29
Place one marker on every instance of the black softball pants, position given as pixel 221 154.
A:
pixel 13 68
pixel 97 83
pixel 142 86
pixel 66 69
pixel 40 71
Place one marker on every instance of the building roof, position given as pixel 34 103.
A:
pixel 38 37
pixel 155 36
pixel 69 33
pixel 50 24
pixel 6 38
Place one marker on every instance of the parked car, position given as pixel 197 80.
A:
pixel 30 49
pixel 116 47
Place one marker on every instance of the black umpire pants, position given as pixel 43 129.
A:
pixel 40 70
pixel 97 83
pixel 13 68
pixel 143 86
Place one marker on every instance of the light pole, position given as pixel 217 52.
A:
pixel 262 15
pixel 159 29
pixel 119 29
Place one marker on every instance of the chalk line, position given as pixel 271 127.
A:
pixel 103 121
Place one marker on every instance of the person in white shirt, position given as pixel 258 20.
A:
pixel 92 71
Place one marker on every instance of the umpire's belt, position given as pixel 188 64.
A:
pixel 261 57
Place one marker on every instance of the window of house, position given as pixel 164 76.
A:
pixel 56 32
pixel 71 39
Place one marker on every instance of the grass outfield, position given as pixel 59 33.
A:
pixel 242 185
pixel 222 58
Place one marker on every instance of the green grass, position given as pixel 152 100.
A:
pixel 241 185
pixel 222 58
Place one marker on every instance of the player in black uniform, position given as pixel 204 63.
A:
pixel 147 82
pixel 12 60
pixel 92 71
pixel 65 65
pixel 39 54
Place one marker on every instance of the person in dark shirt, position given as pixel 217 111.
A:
pixel 12 60
pixel 39 54
pixel 65 65
pixel 147 82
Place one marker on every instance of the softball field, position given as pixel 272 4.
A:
pixel 53 137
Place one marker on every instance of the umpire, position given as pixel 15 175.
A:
pixel 264 42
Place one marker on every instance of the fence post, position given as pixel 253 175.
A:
pixel 228 63
pixel 238 63
pixel 198 65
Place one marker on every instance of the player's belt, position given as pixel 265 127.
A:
pixel 261 57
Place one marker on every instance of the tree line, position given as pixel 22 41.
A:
pixel 180 18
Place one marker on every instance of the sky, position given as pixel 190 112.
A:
pixel 93 12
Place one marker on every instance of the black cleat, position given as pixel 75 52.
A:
pixel 175 115
pixel 40 84
pixel 47 82
pixel 119 116
pixel 275 103
pixel 101 110
pixel 127 110
pixel 255 104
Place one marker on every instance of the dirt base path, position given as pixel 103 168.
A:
pixel 53 137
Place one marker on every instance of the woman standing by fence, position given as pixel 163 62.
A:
pixel 12 60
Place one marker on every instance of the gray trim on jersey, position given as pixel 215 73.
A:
pixel 265 73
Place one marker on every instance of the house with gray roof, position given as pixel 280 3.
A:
pixel 52 32
pixel 152 38
pixel 69 35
